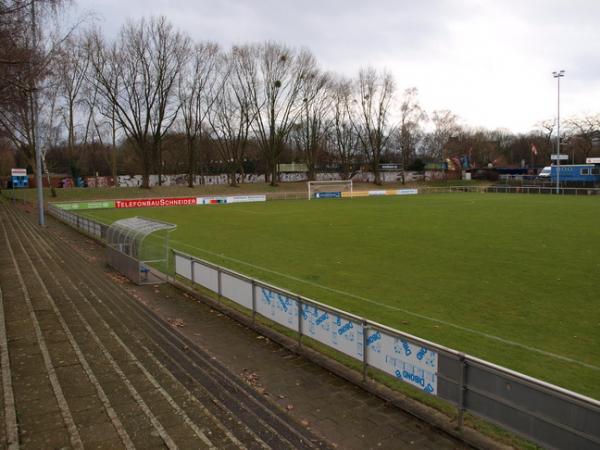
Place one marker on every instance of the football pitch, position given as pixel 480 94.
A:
pixel 513 279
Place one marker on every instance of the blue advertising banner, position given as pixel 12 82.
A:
pixel 328 195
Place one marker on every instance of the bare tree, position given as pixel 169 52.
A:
pixel 309 133
pixel 546 129
pixel 232 115
pixel 70 67
pixel 273 77
pixel 28 43
pixel 170 51
pixel 342 134
pixel 195 88
pixel 375 92
pixel 409 128
pixel 136 76
pixel 446 125
pixel 581 131
pixel 542 139
pixel 100 110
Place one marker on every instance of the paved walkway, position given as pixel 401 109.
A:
pixel 91 361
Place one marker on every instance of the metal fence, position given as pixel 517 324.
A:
pixel 300 195
pixel 502 188
pixel 505 189
pixel 85 225
pixel 137 271
pixel 546 414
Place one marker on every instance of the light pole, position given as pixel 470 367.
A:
pixel 35 124
pixel 558 75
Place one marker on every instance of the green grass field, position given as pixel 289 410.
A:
pixel 513 279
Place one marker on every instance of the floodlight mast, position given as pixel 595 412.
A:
pixel 36 128
pixel 558 75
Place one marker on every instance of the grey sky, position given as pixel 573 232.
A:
pixel 491 62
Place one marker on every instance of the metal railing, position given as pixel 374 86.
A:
pixel 544 413
pixel 86 225
pixel 140 272
pixel 506 189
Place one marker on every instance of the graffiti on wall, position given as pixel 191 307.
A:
pixel 222 179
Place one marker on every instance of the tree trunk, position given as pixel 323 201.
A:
pixel 232 180
pixel 312 172
pixel 190 149
pixel 114 149
pixel 114 166
pixel 146 166
pixel 160 167
pixel 146 176
pixel 376 172
pixel 242 172
pixel 273 172
pixel 71 133
pixel 404 159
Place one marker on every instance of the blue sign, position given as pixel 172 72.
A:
pixel 20 182
pixel 19 178
pixel 328 195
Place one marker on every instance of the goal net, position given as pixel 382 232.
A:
pixel 329 189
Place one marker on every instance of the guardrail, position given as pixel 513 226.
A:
pixel 503 189
pixel 85 225
pixel 544 413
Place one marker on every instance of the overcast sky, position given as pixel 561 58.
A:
pixel 489 61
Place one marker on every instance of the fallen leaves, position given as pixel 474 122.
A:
pixel 178 323
pixel 250 377
pixel 118 278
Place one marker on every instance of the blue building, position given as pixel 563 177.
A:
pixel 588 174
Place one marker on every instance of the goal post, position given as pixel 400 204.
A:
pixel 329 189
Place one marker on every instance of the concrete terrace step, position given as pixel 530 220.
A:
pixel 130 379
pixel 89 369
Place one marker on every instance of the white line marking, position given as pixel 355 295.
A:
pixel 133 391
pixel 47 248
pixel 10 414
pixel 395 308
pixel 75 438
pixel 120 429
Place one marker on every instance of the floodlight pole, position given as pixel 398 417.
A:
pixel 35 126
pixel 558 75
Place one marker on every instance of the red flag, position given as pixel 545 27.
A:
pixel 534 149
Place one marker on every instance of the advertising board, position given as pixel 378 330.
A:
pixel 407 192
pixel 333 330
pixel 246 198
pixel 277 307
pixel 328 194
pixel 411 363
pixel 155 202
pixel 104 204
